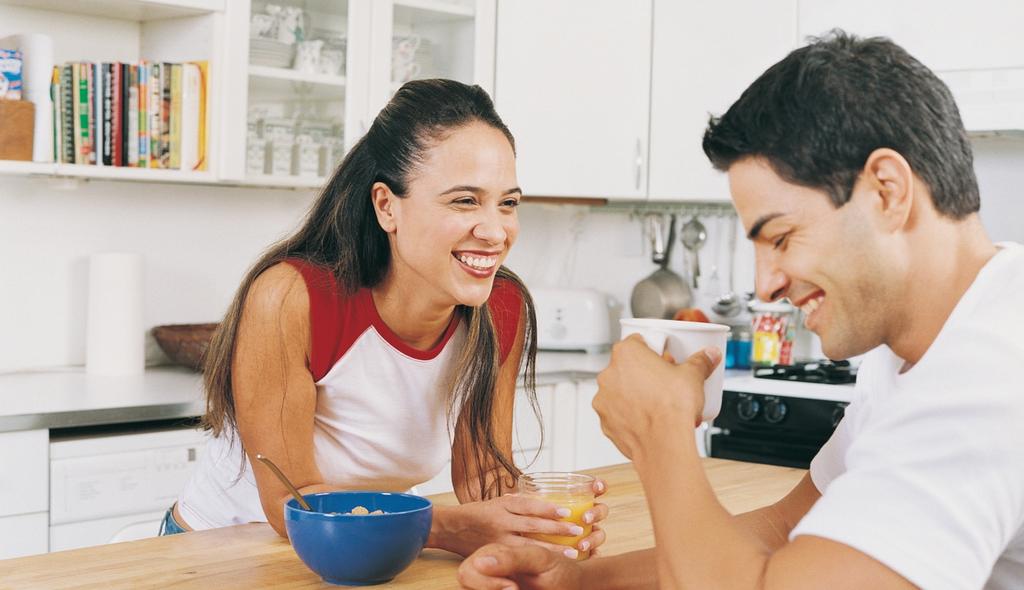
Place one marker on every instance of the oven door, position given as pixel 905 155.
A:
pixel 761 450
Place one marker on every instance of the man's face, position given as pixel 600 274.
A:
pixel 827 261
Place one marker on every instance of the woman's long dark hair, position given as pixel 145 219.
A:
pixel 341 233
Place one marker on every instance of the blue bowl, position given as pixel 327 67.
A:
pixel 357 550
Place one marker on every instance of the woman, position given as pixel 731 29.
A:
pixel 384 338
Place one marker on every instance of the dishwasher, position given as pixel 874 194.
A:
pixel 112 484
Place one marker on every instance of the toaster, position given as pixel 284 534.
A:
pixel 574 319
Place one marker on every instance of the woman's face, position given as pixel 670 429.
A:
pixel 458 221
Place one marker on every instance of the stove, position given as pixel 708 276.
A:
pixel 825 371
pixel 781 415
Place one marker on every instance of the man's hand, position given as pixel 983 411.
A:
pixel 640 388
pixel 525 567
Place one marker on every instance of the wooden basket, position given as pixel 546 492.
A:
pixel 185 344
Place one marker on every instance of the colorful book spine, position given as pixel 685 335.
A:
pixel 116 120
pixel 55 101
pixel 175 118
pixel 67 91
pixel 81 88
pixel 132 115
pixel 89 110
pixel 108 114
pixel 143 137
pixel 203 69
pixel 165 116
pixel 96 100
pixel 155 114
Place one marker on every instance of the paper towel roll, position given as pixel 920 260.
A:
pixel 115 337
pixel 37 73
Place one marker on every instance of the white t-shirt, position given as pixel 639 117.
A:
pixel 926 471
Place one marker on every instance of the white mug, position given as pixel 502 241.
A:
pixel 682 339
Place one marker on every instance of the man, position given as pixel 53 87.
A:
pixel 852 173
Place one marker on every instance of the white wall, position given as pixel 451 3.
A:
pixel 197 241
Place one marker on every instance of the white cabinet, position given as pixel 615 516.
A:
pixel 976 48
pixel 593 448
pixel 418 39
pixel 24 483
pixel 297 124
pixel 24 492
pixel 699 69
pixel 573 85
pixel 944 35
pixel 25 534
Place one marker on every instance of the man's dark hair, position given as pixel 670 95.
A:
pixel 816 115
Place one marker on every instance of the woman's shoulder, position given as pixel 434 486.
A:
pixel 278 290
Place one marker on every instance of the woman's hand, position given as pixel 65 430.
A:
pixel 465 528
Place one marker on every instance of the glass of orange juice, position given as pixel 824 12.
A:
pixel 574 491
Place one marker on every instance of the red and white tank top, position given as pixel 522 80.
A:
pixel 381 411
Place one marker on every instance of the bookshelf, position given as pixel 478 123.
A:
pixel 459 33
pixel 88 172
pixel 122 32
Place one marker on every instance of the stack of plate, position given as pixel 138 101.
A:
pixel 269 52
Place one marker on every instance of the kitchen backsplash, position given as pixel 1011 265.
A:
pixel 198 240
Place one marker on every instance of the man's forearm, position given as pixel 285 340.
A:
pixel 699 543
pixel 628 571
pixel 766 525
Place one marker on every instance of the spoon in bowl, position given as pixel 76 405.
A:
pixel 288 484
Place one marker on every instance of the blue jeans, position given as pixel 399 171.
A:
pixel 169 526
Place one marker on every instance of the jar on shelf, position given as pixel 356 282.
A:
pixel 774 330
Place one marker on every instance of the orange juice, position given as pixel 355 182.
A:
pixel 566 490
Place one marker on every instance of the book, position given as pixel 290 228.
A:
pixel 55 100
pixel 96 98
pixel 155 114
pixel 131 137
pixel 67 91
pixel 80 88
pixel 165 116
pixel 175 117
pixel 108 114
pixel 201 71
pixel 86 109
pixel 143 137
pixel 116 119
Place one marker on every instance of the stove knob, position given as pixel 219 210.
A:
pixel 747 407
pixel 837 415
pixel 775 411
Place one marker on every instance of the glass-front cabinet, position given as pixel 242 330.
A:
pixel 316 72
pixel 417 39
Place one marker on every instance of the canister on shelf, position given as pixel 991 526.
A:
pixel 773 334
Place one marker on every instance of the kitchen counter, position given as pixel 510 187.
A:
pixel 66 398
pixel 71 398
pixel 253 556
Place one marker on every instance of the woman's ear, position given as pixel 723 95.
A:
pixel 384 206
pixel 893 185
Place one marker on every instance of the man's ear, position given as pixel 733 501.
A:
pixel 893 184
pixel 384 206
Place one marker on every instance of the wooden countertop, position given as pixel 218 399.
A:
pixel 254 556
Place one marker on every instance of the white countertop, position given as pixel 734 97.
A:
pixel 71 398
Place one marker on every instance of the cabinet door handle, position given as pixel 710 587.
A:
pixel 639 162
